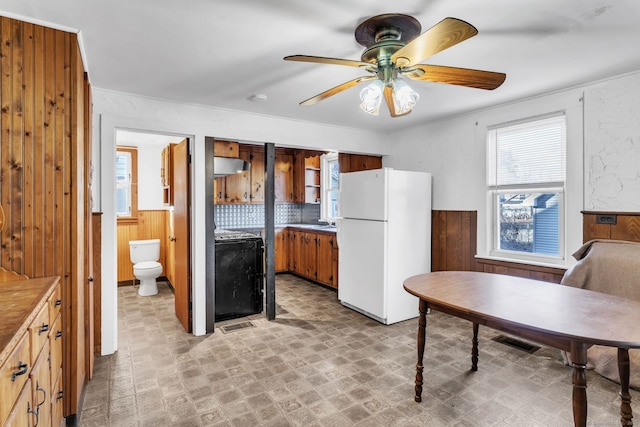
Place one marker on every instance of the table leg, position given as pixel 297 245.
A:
pixel 626 415
pixel 579 362
pixel 474 349
pixel 422 326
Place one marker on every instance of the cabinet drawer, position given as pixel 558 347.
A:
pixel 55 346
pixel 22 413
pixel 13 376
pixel 55 304
pixel 39 332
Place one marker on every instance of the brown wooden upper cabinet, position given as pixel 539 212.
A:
pixel 296 173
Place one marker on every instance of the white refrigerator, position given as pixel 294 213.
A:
pixel 384 237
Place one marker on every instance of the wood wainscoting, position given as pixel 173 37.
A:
pixel 611 226
pixel 454 244
pixel 453 240
pixel 151 224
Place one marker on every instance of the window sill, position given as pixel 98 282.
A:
pixel 496 260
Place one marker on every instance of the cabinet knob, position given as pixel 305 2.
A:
pixel 43 328
pixel 172 238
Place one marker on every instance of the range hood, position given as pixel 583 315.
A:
pixel 225 166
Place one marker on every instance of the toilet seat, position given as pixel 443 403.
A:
pixel 146 265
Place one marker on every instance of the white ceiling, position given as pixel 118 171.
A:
pixel 220 53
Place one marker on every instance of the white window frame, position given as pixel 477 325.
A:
pixel 494 190
pixel 325 187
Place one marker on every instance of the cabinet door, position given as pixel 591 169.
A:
pixel 41 387
pixel 219 190
pixel 55 347
pixel 309 253
pixel 57 398
pixel 238 187
pixel 281 252
pixel 298 177
pixel 298 252
pixel 22 413
pixel 257 175
pixel 283 177
pixel 291 248
pixel 325 259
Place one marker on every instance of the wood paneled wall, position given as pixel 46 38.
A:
pixel 150 225
pixel 611 226
pixel 42 164
pixel 453 240
pixel 454 244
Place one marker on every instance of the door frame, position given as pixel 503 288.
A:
pixel 104 194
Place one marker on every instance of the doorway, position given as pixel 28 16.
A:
pixel 156 198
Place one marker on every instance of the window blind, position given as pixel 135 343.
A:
pixel 527 153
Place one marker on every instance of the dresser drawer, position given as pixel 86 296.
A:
pixel 55 304
pixel 13 376
pixel 39 332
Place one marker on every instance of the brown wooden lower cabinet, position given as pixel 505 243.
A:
pixel 31 363
pixel 310 254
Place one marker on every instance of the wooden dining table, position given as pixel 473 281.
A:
pixel 564 317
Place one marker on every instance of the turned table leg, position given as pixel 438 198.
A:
pixel 626 415
pixel 474 348
pixel 422 326
pixel 579 362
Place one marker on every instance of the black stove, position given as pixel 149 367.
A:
pixel 238 274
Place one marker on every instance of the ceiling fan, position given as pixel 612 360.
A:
pixel 394 48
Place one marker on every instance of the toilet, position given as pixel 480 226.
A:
pixel 144 255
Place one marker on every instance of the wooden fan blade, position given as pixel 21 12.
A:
pixel 335 90
pixel 479 79
pixel 443 35
pixel 388 96
pixel 335 61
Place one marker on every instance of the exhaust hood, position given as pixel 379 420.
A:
pixel 225 166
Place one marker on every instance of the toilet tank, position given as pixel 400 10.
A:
pixel 144 250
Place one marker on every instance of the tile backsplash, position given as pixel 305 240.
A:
pixel 249 216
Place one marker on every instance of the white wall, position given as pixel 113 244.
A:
pixel 612 145
pixel 603 153
pixel 120 111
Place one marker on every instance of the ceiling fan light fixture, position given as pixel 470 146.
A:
pixel 404 98
pixel 371 97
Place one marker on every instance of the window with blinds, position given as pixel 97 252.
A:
pixel 526 165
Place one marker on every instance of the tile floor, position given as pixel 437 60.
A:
pixel 320 364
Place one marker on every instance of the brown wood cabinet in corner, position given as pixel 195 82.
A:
pixel 313 255
pixel 31 354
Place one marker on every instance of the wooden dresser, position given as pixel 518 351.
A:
pixel 31 352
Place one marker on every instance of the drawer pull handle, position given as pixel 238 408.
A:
pixel 58 334
pixel 43 328
pixel 22 369
pixel 60 395
pixel 44 395
pixel 30 411
pixel 58 303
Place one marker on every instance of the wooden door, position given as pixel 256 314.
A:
pixel 298 177
pixel 325 259
pixel 182 285
pixel 291 249
pixel 283 177
pixel 257 175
